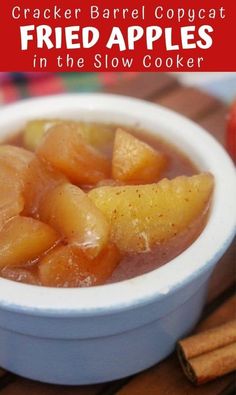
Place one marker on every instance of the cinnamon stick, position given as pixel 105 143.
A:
pixel 209 354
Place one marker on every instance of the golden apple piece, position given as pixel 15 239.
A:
pixel 69 210
pixel 34 131
pixel 98 135
pixel 19 274
pixel 67 266
pixel 134 160
pixel 16 158
pixel 11 195
pixel 23 239
pixel 40 179
pixel 92 133
pixel 142 216
pixel 68 153
pixel 14 162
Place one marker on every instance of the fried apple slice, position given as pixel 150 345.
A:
pixel 69 210
pixel 67 266
pixel 142 216
pixel 134 160
pixel 39 180
pixel 98 135
pixel 14 162
pixel 16 158
pixel 67 152
pixel 23 239
pixel 34 131
pixel 95 134
pixel 11 196
pixel 19 274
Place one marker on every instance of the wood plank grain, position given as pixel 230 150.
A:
pixel 144 85
pixel 223 313
pixel 27 387
pixel 189 101
pixel 2 373
pixel 230 390
pixel 5 378
pixel 168 378
pixel 224 275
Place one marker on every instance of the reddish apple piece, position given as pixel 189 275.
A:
pixel 23 239
pixel 67 152
pixel 68 266
pixel 135 160
pixel 69 210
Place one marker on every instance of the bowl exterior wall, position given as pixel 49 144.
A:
pixel 78 361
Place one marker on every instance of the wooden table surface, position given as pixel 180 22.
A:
pixel 166 378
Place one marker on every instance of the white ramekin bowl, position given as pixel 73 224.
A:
pixel 84 336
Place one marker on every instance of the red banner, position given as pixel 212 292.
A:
pixel 129 35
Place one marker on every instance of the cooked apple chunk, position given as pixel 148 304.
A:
pixel 34 131
pixel 39 180
pixel 67 152
pixel 134 160
pixel 23 239
pixel 142 216
pixel 14 162
pixel 15 157
pixel 67 266
pixel 21 275
pixel 69 210
pixel 11 197
pixel 95 134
